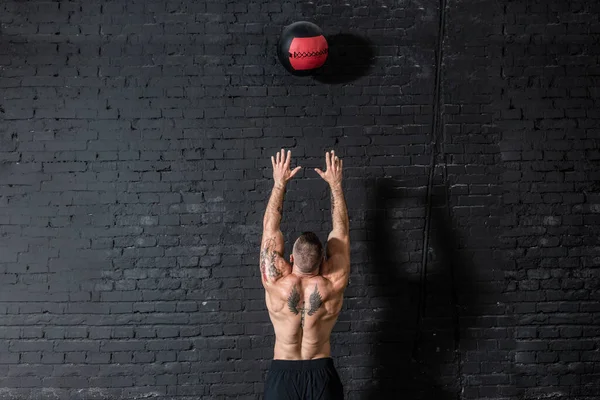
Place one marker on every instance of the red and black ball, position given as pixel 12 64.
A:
pixel 302 48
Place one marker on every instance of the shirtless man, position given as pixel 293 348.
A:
pixel 304 297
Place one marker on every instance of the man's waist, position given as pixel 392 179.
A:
pixel 301 365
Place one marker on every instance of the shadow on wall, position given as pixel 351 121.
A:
pixel 350 57
pixel 415 360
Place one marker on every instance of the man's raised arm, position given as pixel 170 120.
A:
pixel 337 269
pixel 272 264
pixel 274 211
pixel 339 212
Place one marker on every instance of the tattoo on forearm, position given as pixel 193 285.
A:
pixel 274 211
pixel 332 204
pixel 297 306
pixel 268 261
pixel 280 204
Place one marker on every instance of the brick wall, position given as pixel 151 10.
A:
pixel 134 170
pixel 549 147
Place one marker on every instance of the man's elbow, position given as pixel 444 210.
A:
pixel 272 229
pixel 269 225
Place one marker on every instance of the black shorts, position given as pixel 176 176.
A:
pixel 303 380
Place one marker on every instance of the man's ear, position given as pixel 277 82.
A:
pixel 292 259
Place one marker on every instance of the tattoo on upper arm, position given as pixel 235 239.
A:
pixel 268 261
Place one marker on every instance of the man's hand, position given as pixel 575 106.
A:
pixel 281 168
pixel 333 174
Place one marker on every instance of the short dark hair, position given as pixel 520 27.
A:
pixel 308 252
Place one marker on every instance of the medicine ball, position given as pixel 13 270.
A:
pixel 302 48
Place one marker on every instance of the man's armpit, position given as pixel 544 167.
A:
pixel 269 261
pixel 337 246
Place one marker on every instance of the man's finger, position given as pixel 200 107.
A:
pixel 327 161
pixel 295 171
pixel 273 161
pixel 289 158
pixel 282 156
pixel 319 172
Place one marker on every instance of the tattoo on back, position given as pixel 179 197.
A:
pixel 315 301
pixel 297 306
pixel 293 300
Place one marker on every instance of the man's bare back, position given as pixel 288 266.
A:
pixel 303 311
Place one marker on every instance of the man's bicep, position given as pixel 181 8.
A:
pixel 272 264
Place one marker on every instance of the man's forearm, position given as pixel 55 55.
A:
pixel 339 212
pixel 274 210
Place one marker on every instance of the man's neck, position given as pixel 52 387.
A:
pixel 301 274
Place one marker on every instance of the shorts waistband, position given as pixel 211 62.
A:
pixel 295 365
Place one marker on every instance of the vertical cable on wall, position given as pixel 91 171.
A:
pixel 436 130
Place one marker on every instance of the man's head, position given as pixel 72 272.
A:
pixel 307 254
